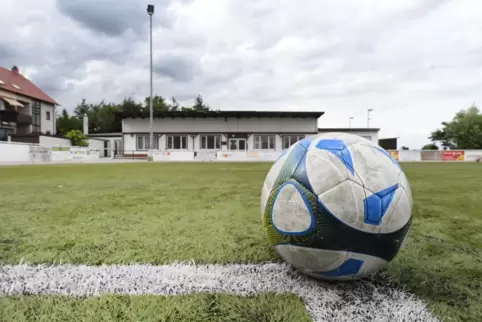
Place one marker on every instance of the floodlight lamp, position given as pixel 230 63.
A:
pixel 150 9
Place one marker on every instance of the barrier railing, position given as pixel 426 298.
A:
pixel 436 155
pixel 12 152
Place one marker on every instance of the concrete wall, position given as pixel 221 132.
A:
pixel 221 124
pixel 97 144
pixel 18 153
pixel 53 141
pixel 14 152
pixel 436 155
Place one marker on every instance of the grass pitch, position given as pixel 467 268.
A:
pixel 209 212
pixel 197 307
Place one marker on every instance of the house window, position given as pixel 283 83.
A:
pixel 47 115
pixel 142 142
pixel 210 142
pixel 5 132
pixel 177 142
pixel 289 140
pixel 36 117
pixel 264 142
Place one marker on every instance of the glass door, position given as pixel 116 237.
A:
pixel 237 144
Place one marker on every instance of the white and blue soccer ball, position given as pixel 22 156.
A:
pixel 336 206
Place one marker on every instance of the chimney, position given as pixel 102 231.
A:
pixel 15 69
pixel 86 124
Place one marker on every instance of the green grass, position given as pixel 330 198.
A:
pixel 189 308
pixel 146 212
pixel 209 212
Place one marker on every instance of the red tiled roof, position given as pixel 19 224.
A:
pixel 27 88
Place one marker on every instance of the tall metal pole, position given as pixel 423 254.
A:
pixel 151 135
pixel 368 117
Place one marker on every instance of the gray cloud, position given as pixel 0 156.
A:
pixel 113 17
pixel 177 68
pixel 7 55
pixel 402 59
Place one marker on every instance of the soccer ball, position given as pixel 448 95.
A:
pixel 336 206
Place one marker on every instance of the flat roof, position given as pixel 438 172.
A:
pixel 349 129
pixel 238 114
pixel 113 134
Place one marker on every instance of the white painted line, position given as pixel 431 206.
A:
pixel 350 301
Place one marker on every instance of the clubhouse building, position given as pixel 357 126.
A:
pixel 214 131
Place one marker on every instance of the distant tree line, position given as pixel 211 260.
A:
pixel 463 132
pixel 102 116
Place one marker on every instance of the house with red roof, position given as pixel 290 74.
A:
pixel 24 108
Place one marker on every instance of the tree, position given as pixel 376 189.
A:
pixel 199 105
pixel 463 132
pixel 128 105
pixel 106 118
pixel 81 109
pixel 102 116
pixel 65 123
pixel 77 138
pixel 158 104
pixel 430 146
pixel 440 135
pixel 174 105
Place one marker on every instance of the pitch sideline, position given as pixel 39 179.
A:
pixel 353 302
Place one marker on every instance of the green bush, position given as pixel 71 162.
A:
pixel 77 138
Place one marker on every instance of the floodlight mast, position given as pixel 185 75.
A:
pixel 150 12
pixel 368 117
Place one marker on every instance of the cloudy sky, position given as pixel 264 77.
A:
pixel 415 63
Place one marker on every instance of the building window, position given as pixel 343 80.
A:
pixel 36 117
pixel 289 140
pixel 5 132
pixel 210 142
pixel 264 142
pixel 142 142
pixel 47 115
pixel 177 142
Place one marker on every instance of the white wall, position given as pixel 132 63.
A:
pixel 53 141
pixel 129 143
pixel 473 155
pixel 371 135
pixel 409 155
pixel 13 152
pixel 221 124
pixel 18 153
pixel 97 144
pixel 267 156
pixel 47 125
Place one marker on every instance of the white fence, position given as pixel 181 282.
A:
pixel 13 152
pixel 239 156
pixel 271 156
pixel 436 155
pixel 30 153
